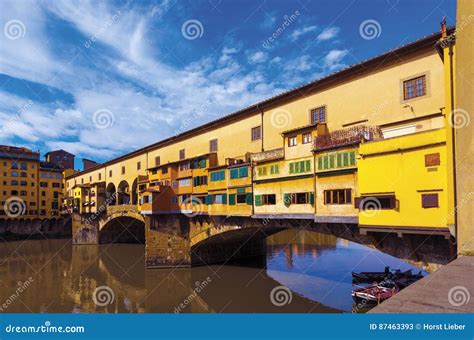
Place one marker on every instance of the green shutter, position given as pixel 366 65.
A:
pixel 325 160
pixel 297 167
pixel 259 170
pixel 308 165
pixel 292 168
pixel 286 199
pixel 234 173
pixel 339 160
pixel 224 199
pixel 249 198
pixel 320 163
pixel 258 200
pixel 202 163
pixel 311 198
pixel 331 161
pixel 231 199
pixel 241 190
pixel 346 158
pixel 352 158
pixel 277 169
pixel 208 199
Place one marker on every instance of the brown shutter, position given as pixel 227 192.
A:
pixel 357 201
pixel 429 200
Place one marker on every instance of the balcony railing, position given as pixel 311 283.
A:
pixel 348 136
pixel 267 155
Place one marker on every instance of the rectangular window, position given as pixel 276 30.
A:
pixel 213 145
pixel 164 170
pixel 269 199
pixel 239 172
pixel 184 182
pixel 123 170
pixel 298 198
pixel 292 141
pixel 262 171
pixel 382 202
pixel 139 165
pixel 56 185
pixel 338 196
pixel 432 159
pixel 157 160
pixel 100 176
pixel 256 133
pixel 274 169
pixel 44 184
pixel 199 180
pixel 218 176
pixel 415 87
pixel 182 154
pixel 307 138
pixel 241 198
pixel 318 115
pixel 429 201
pixel 184 166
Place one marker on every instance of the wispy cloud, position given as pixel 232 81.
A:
pixel 257 57
pixel 328 33
pixel 296 34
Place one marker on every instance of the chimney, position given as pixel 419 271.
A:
pixel 443 28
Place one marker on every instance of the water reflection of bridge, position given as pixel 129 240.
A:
pixel 65 277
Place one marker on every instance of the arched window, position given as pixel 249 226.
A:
pixel 23 174
pixel 14 193
pixel 14 174
pixel 14 183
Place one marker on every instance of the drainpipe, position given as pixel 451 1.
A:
pixel 453 141
pixel 261 124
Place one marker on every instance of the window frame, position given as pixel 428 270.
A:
pixel 318 109
pixel 256 136
pixel 213 145
pixel 292 141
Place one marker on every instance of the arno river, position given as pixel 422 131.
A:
pixel 304 272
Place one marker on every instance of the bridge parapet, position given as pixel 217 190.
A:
pixel 113 209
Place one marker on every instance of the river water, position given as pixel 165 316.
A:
pixel 304 272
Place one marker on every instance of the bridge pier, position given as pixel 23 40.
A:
pixel 167 241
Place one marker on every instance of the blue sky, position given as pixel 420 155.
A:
pixel 102 78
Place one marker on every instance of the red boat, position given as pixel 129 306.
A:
pixel 375 294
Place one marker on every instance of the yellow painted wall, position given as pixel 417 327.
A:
pixel 334 182
pixel 397 165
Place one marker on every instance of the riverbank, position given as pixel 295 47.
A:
pixel 34 229
pixel 448 290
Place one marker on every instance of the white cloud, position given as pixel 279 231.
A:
pixel 258 57
pixel 328 33
pixel 334 57
pixel 301 31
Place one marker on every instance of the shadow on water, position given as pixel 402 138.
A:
pixel 304 272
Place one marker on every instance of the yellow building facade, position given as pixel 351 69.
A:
pixel 373 130
pixel 30 188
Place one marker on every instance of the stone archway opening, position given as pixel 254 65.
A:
pixel 111 194
pixel 123 193
pixel 134 195
pixel 123 229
